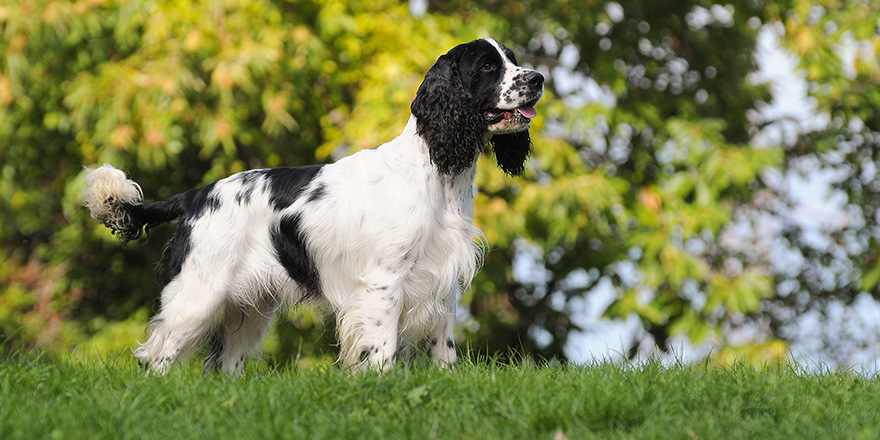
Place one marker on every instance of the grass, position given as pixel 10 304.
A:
pixel 479 400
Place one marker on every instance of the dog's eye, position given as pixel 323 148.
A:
pixel 488 67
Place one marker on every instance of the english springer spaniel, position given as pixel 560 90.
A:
pixel 384 237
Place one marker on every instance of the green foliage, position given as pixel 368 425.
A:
pixel 113 399
pixel 649 176
pixel 846 89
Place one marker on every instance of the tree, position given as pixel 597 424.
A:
pixel 681 109
pixel 639 184
pixel 830 263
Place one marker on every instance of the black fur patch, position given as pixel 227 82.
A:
pixel 175 254
pixel 509 54
pixel 193 204
pixel 200 201
pixel 293 253
pixel 318 193
pixel 248 182
pixel 287 184
pixel 511 151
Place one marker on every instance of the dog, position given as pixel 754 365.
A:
pixel 384 237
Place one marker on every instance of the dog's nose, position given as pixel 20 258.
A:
pixel 535 79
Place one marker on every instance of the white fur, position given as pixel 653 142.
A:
pixel 105 186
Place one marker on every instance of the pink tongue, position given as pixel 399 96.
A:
pixel 528 112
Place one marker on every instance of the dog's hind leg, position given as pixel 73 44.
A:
pixel 236 337
pixel 190 311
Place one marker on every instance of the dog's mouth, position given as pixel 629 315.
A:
pixel 507 120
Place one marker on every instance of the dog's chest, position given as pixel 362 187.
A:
pixel 403 221
pixel 445 256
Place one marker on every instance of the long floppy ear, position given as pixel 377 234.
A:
pixel 511 151
pixel 447 116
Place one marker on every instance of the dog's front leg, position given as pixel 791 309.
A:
pixel 368 327
pixel 440 343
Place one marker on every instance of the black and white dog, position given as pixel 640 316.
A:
pixel 385 237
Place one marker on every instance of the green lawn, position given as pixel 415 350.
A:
pixel 479 400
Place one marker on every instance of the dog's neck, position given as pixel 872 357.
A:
pixel 410 137
pixel 412 148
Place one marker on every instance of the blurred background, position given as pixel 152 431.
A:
pixel 704 182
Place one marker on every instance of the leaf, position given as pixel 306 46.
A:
pixel 416 395
pixel 871 278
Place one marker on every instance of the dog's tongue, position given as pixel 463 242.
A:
pixel 527 111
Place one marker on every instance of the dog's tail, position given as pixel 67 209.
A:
pixel 118 203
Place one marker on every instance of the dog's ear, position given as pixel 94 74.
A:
pixel 511 151
pixel 447 116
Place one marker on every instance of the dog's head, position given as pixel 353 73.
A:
pixel 476 92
